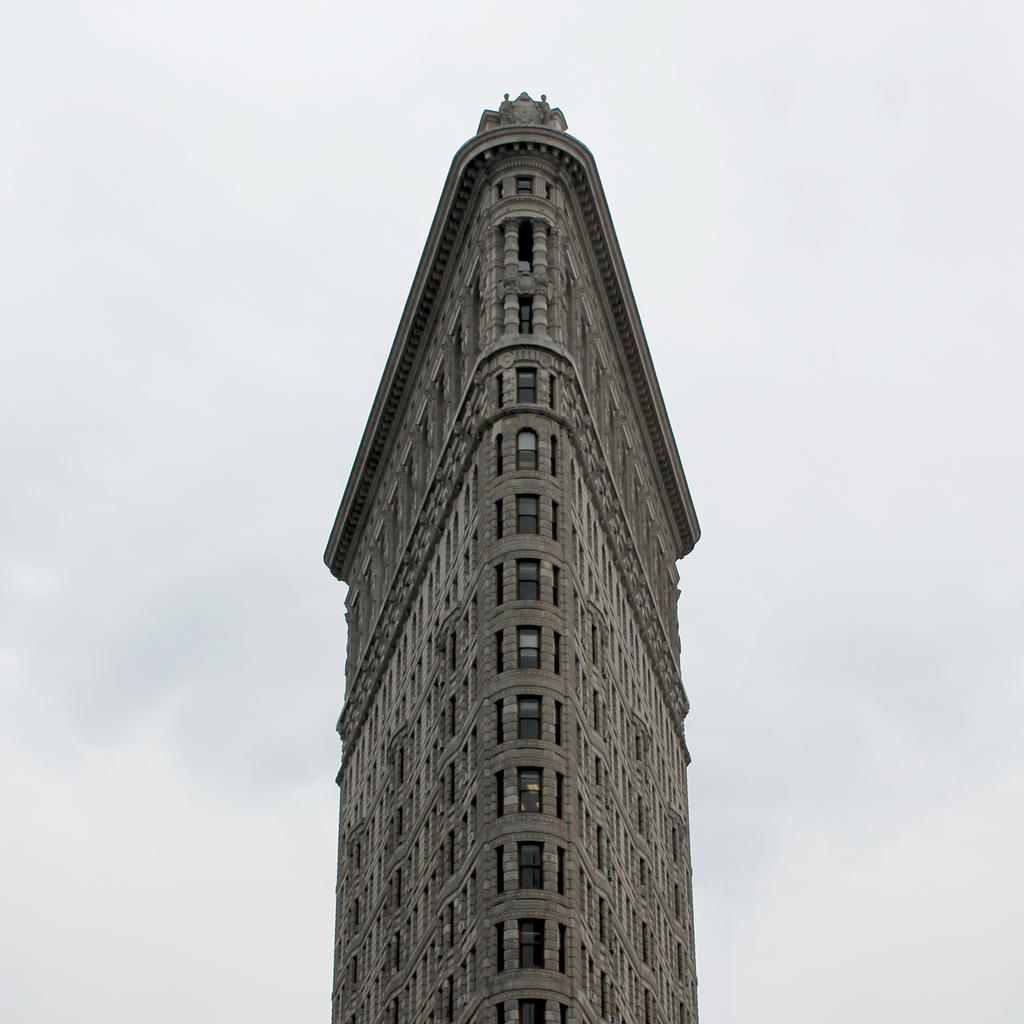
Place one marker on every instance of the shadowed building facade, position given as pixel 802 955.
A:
pixel 513 837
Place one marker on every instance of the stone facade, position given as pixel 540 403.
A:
pixel 513 837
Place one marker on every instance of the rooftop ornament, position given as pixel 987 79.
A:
pixel 522 111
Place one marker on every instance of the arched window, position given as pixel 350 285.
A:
pixel 526 450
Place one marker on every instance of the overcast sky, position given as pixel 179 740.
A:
pixel 210 216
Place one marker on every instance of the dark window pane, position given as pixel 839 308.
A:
pixel 529 718
pixel 525 246
pixel 528 579
pixel 526 314
pixel 531 869
pixel 531 944
pixel 526 513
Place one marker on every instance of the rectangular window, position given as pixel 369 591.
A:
pixel 561 951
pixel 559 793
pixel 524 184
pixel 558 723
pixel 531 798
pixel 526 513
pixel 526 385
pixel 554 520
pixel 499 724
pixel 499 583
pixel 556 579
pixel 554 455
pixel 499 793
pixel 531 944
pixel 499 525
pixel 561 870
pixel 499 651
pixel 526 314
pixel 531 865
pixel 531 1011
pixel 528 644
pixel 551 390
pixel 527 579
pixel 557 654
pixel 499 869
pixel 525 246
pixel 529 718
pixel 500 379
pixel 499 944
pixel 499 1013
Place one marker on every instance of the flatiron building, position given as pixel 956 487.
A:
pixel 513 836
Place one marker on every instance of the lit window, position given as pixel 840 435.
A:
pixel 530 790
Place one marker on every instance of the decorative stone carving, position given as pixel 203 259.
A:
pixel 523 110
